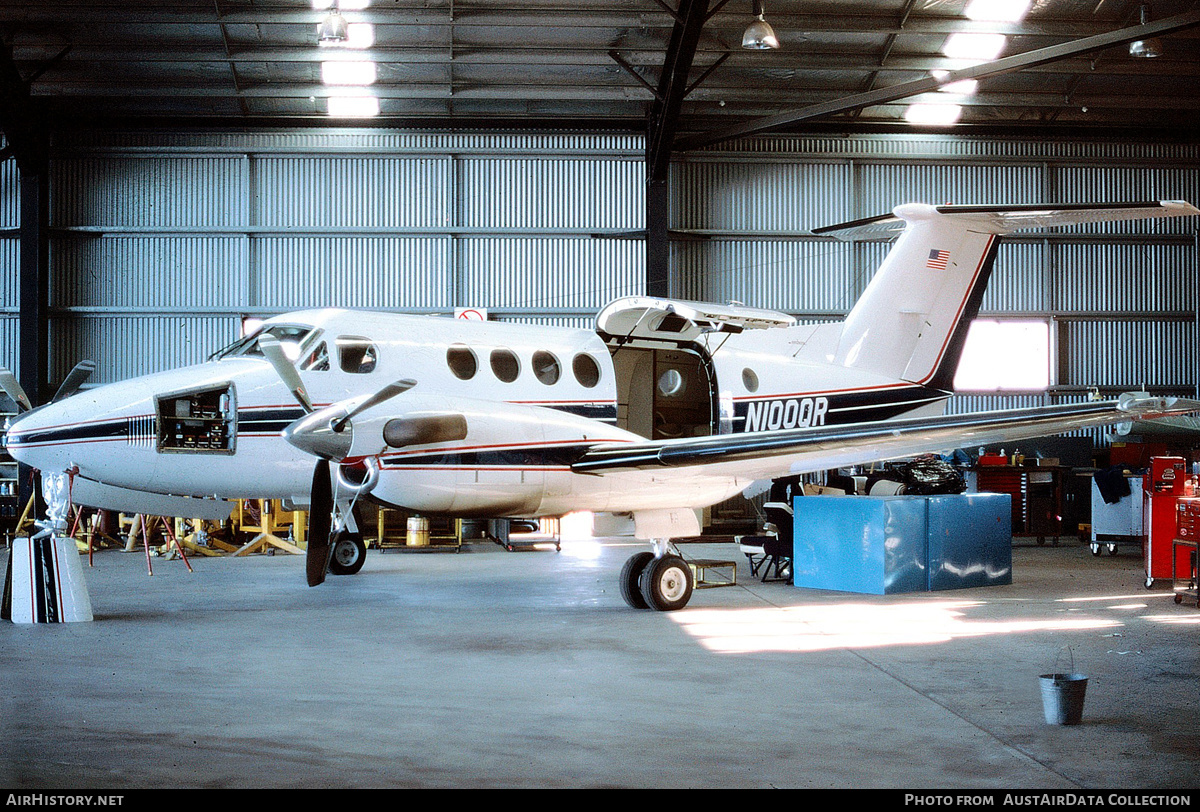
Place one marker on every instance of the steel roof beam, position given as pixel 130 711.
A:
pixel 661 127
pixel 19 117
pixel 904 90
pixel 501 16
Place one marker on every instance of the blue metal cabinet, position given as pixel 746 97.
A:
pixel 887 545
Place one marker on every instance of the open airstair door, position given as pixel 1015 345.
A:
pixel 662 357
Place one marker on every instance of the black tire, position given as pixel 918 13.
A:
pixel 348 554
pixel 667 584
pixel 631 578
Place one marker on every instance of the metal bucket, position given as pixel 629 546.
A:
pixel 418 532
pixel 1062 698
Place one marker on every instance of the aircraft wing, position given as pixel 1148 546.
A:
pixel 772 454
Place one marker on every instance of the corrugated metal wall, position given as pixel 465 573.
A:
pixel 1121 298
pixel 161 243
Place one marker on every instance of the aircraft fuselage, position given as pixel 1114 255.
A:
pixel 533 399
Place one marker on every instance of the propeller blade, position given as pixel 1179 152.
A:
pixel 386 393
pixel 272 350
pixel 8 382
pixel 75 379
pixel 320 525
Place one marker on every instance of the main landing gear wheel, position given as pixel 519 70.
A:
pixel 349 553
pixel 666 583
pixel 631 579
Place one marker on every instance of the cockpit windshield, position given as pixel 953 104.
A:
pixel 291 337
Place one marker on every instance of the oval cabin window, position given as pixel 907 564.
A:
pixel 545 367
pixel 749 380
pixel 505 365
pixel 462 362
pixel 586 370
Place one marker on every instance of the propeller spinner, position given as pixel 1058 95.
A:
pixel 328 433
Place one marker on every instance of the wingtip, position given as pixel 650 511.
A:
pixel 1142 404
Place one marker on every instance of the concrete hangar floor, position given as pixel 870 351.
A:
pixel 490 668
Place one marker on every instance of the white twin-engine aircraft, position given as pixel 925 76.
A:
pixel 666 408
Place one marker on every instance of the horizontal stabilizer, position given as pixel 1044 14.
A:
pixel 1007 219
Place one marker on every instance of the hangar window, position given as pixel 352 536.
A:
pixel 505 365
pixel 356 354
pixel 462 362
pixel 586 370
pixel 545 367
pixel 1005 355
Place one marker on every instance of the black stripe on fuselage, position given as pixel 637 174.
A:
pixel 260 420
pixel 105 430
pixel 771 413
pixel 269 420
pixel 602 412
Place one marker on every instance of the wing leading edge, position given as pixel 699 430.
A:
pixel 772 454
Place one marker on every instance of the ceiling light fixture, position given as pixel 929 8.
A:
pixel 974 47
pixel 759 35
pixel 353 106
pixel 933 115
pixel 964 87
pixel 348 73
pixel 333 29
pixel 1146 48
pixel 1006 11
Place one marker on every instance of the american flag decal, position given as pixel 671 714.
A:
pixel 937 260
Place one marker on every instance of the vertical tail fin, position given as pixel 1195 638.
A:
pixel 912 320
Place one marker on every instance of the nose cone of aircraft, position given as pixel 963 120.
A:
pixel 314 434
pixel 22 434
